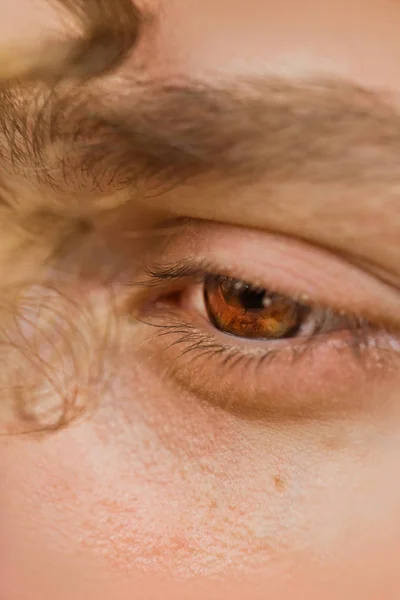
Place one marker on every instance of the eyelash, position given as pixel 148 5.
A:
pixel 175 277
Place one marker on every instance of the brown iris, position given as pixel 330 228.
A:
pixel 237 308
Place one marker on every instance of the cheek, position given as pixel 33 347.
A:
pixel 157 483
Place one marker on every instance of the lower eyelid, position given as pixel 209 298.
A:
pixel 303 376
pixel 260 347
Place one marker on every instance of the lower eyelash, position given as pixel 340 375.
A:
pixel 199 344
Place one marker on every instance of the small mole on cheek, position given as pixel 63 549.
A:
pixel 332 443
pixel 279 483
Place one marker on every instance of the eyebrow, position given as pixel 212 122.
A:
pixel 316 130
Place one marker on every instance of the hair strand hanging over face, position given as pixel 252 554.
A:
pixel 105 31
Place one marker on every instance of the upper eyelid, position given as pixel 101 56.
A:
pixel 182 271
pixel 280 264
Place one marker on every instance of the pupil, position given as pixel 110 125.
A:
pixel 252 299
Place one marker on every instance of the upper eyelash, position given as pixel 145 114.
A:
pixel 158 274
pixel 173 271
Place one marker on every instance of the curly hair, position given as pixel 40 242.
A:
pixel 102 35
pixel 47 334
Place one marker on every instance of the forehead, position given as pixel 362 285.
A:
pixel 221 41
pixel 357 40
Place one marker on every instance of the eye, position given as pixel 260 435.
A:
pixel 236 307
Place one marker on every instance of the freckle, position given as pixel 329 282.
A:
pixel 331 443
pixel 279 483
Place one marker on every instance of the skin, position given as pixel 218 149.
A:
pixel 156 483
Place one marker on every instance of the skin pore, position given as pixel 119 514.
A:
pixel 171 460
